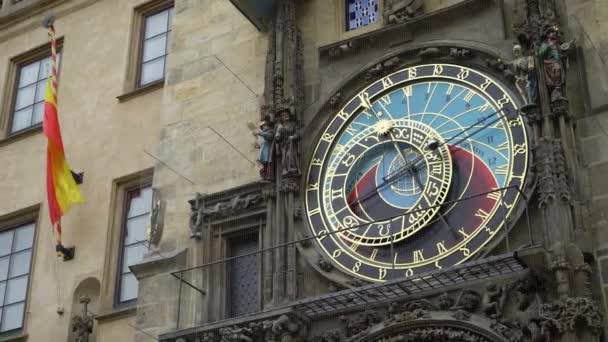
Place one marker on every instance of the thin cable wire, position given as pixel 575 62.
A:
pixel 56 269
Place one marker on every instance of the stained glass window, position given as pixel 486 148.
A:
pixel 361 13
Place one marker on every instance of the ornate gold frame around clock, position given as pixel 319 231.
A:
pixel 491 78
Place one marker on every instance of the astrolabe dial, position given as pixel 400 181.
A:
pixel 417 172
pixel 385 173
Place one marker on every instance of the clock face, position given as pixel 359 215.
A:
pixel 417 172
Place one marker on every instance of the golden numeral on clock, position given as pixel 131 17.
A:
pixel 381 273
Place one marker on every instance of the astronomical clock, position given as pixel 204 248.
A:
pixel 416 172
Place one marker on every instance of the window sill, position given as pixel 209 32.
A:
pixel 115 314
pixel 150 87
pixel 21 135
pixel 14 338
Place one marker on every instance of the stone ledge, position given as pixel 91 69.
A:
pixel 21 135
pixel 155 263
pixel 14 338
pixel 418 21
pixel 115 314
pixel 148 88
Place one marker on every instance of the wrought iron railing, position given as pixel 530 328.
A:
pixel 200 283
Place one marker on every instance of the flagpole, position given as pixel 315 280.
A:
pixel 49 24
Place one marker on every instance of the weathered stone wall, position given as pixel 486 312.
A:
pixel 102 137
pixel 588 22
pixel 215 80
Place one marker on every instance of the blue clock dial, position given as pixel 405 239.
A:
pixel 417 172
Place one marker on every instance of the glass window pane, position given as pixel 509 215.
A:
pixel 2 288
pixel 25 97
pixel 4 262
pixel 133 254
pixel 152 71
pixel 21 119
pixel 12 317
pixel 141 201
pixel 6 241
pixel 15 290
pixel 40 91
pixel 170 25
pixel 128 287
pixel 24 236
pixel 28 74
pixel 154 47
pixel 156 24
pixel 20 263
pixel 46 67
pixel 38 113
pixel 137 229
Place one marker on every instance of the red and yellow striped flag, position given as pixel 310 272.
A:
pixel 61 187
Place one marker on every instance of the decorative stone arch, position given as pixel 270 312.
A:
pixel 90 288
pixel 429 330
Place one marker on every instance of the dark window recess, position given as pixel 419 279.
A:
pixel 243 277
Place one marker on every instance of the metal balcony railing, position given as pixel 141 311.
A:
pixel 201 283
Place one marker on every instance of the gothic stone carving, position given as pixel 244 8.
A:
pixel 551 167
pixel 360 323
pixel 156 221
pixel 282 329
pixel 82 325
pixel 325 265
pixel 201 213
pixel 552 53
pixel 400 11
pixel 383 68
pixel 570 314
pixel 287 144
pixel 522 67
pixel 328 336
pixel 335 100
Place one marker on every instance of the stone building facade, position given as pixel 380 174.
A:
pixel 200 127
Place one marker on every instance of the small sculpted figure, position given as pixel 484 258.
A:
pixel 552 53
pixel 265 156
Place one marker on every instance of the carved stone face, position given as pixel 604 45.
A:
pixel 284 116
pixel 517 51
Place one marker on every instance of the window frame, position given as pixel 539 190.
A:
pixel 142 39
pixel 109 306
pixel 132 87
pixel 347 17
pixel 13 221
pixel 29 275
pixel 12 83
pixel 121 247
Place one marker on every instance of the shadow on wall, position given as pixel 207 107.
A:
pixel 85 302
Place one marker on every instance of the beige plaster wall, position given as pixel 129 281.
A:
pixel 103 138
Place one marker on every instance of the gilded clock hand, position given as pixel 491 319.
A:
pixel 405 168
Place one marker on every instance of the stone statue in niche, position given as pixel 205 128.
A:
pixel 265 156
pixel 400 11
pixel 82 325
pixel 286 138
pixel 552 53
pixel 522 67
